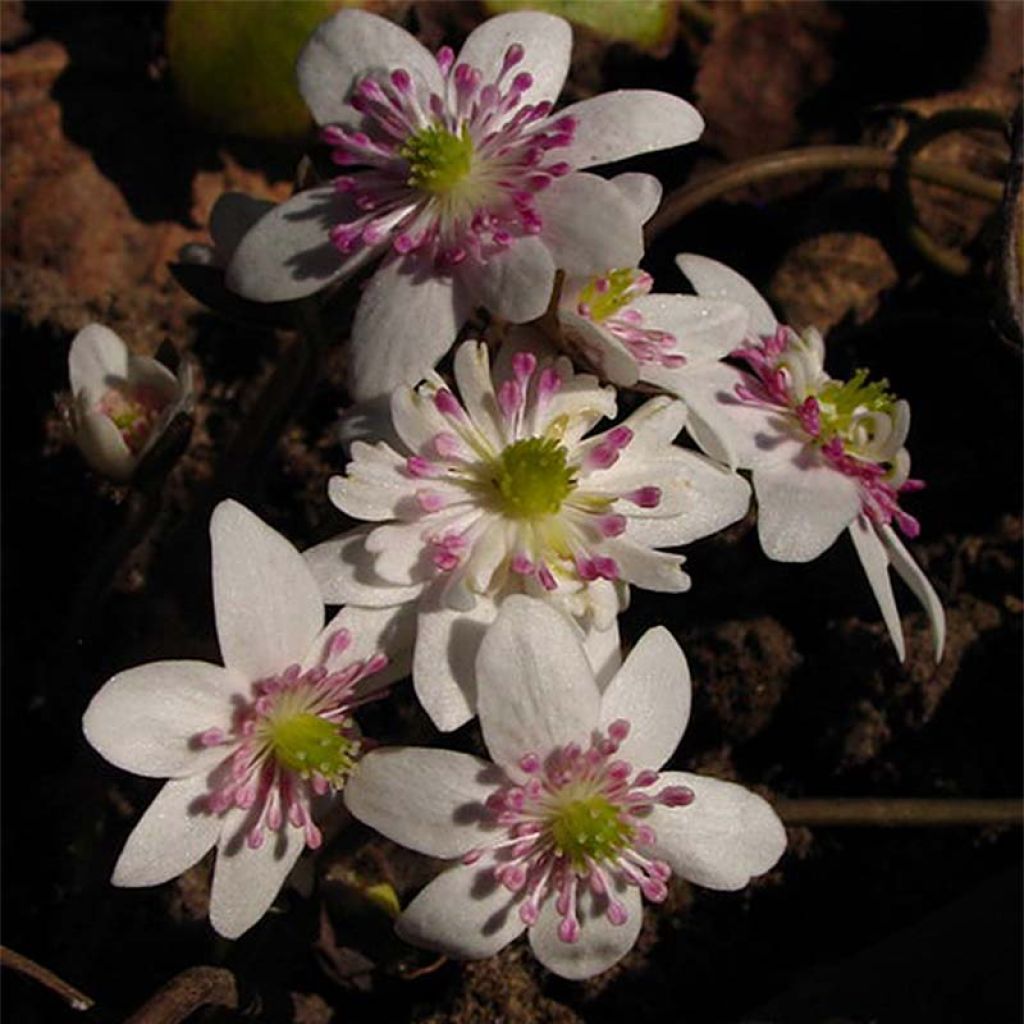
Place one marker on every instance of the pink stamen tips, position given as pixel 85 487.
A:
pixel 429 501
pixel 445 58
pixel 645 778
pixel 547 581
pixel 447 446
pixel 447 405
pixel 530 763
pixel 619 730
pixel 548 384
pixel 254 838
pixel 339 643
pixel 620 437
pixel 645 497
pixel 402 80
pixel 403 243
pixel 612 525
pixel 809 414
pixel 569 930
pixel 522 82
pixel 212 738
pixel 602 456
pixel 523 365
pixel 602 285
pixel 376 663
pixel 676 796
pixel 513 56
pixel 521 564
pixel 418 467
pixel 510 398
pixel 616 912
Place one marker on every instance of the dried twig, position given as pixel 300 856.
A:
pixel 183 995
pixel 16 962
pixel 899 813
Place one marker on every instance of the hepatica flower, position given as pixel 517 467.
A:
pixel 121 402
pixel 574 823
pixel 253 748
pixel 505 492
pixel 826 455
pixel 458 176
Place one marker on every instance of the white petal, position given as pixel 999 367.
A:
pixel 705 329
pixel 912 575
pixel 348 46
pixel 444 662
pixel 873 557
pixel 601 943
pixel 604 651
pixel 376 484
pixel 267 604
pixel 144 372
pixel 232 216
pixel 598 348
pixel 245 881
pixel 536 689
pixel 714 280
pixel 627 122
pixel 146 719
pixel 431 801
pixel 97 358
pixel 170 837
pixel 724 838
pixel 102 445
pixel 642 190
pixel 416 419
pixel 515 284
pixel 288 254
pixel 463 913
pixel 546 40
pixel 803 504
pixel 652 692
pixel 344 571
pixel 406 320
pixel 651 570
pixel 589 225
pixel 476 389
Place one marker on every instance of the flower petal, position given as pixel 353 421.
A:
pixel 589 225
pixel 803 504
pixel 545 39
pixel 444 662
pixel 873 557
pixel 233 215
pixel 714 280
pixel 651 570
pixel 101 444
pixel 536 689
pixel 598 348
pixel 288 254
pixel 705 329
pixel 376 483
pixel 515 284
pixel 652 692
pixel 146 719
pixel 462 913
pixel 914 578
pixel 627 122
pixel 245 881
pixel 472 368
pixel 170 837
pixel 643 192
pixel 348 46
pixel 267 604
pixel 406 320
pixel 721 840
pixel 344 571
pixel 431 801
pixel 604 651
pixel 601 943
pixel 97 358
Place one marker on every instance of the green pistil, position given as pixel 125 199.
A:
pixel 603 304
pixel 840 401
pixel 531 478
pixel 308 744
pixel 589 829
pixel 438 160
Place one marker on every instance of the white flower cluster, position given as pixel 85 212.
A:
pixel 503 522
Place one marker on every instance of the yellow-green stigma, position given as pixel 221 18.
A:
pixel 531 479
pixel 438 160
pixel 589 830
pixel 308 744
pixel 840 401
pixel 603 296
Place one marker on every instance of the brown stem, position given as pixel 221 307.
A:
pixel 183 995
pixel 844 812
pixel 810 160
pixel 16 962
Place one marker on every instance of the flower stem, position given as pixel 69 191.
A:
pixel 23 965
pixel 186 993
pixel 856 812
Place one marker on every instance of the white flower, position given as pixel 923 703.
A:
pixel 573 822
pixel 506 492
pixel 462 180
pixel 121 402
pixel 250 747
pixel 826 455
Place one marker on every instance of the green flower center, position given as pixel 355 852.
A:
pixel 606 294
pixel 839 402
pixel 438 160
pixel 589 829
pixel 306 743
pixel 531 478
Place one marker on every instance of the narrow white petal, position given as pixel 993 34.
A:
pixel 267 604
pixel 546 40
pixel 705 329
pixel 462 913
pixel 515 284
pixel 598 348
pixel 232 216
pixel 601 943
pixel 724 838
pixel 431 801
pixel 97 358
pixel 416 419
pixel 714 280
pixel 642 190
pixel 912 575
pixel 402 553
pixel 604 651
pixel 803 504
pixel 536 689
pixel 873 557
pixel 652 692
pixel 170 837
pixel 102 445
pixel 627 122
pixel 376 484
pixel 651 570
pixel 245 881
pixel 352 44
pixel 476 389
pixel 146 719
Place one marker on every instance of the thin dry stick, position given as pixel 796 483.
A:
pixel 812 160
pixel 186 993
pixel 899 813
pixel 16 962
